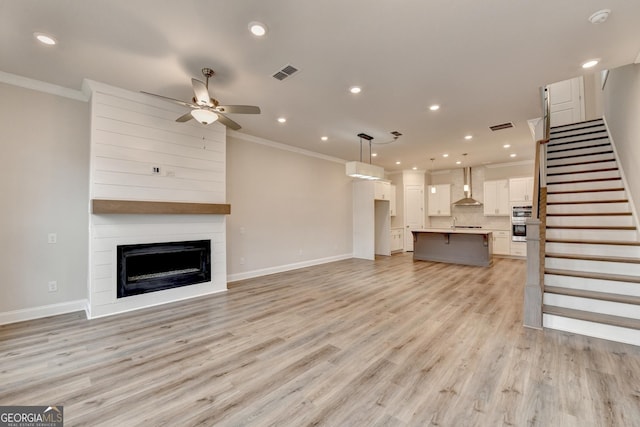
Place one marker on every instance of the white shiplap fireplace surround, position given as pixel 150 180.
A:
pixel 131 134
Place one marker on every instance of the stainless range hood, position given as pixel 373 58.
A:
pixel 467 200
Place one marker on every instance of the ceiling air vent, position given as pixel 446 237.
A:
pixel 501 126
pixel 286 71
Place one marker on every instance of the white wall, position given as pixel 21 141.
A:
pixel 622 114
pixel 288 209
pixel 44 182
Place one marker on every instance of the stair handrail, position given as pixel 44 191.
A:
pixel 536 227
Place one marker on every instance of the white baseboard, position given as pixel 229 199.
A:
pixel 287 267
pixel 43 311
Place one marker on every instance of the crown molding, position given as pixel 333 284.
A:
pixel 40 86
pixel 281 146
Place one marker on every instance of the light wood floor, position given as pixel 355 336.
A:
pixel 351 343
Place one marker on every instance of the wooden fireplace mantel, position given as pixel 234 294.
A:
pixel 103 206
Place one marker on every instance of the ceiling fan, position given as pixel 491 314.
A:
pixel 206 109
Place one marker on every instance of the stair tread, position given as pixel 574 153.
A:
pixel 591 190
pixel 585 124
pixel 604 296
pixel 577 181
pixel 589 316
pixel 593 242
pixel 597 276
pixel 584 171
pixel 596 140
pixel 581 257
pixel 584 202
pixel 591 214
pixel 589 162
pixel 575 156
pixel 591 227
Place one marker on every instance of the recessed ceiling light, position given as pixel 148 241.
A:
pixel 506 146
pixel 398 162
pixel 282 120
pixel 445 155
pixel 512 155
pixel 45 39
pixel 600 16
pixel 468 137
pixel 591 63
pixel 434 107
pixel 324 138
pixel 258 29
pixel 355 89
pixel 458 162
pixel 374 154
pixel 415 168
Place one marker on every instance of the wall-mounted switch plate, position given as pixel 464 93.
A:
pixel 52 238
pixel 53 286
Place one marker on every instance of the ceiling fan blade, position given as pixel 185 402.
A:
pixel 201 92
pixel 184 118
pixel 239 109
pixel 228 122
pixel 175 101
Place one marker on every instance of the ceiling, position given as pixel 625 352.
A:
pixel 482 61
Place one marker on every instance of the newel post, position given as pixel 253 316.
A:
pixel 533 289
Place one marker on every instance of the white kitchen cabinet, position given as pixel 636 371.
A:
pixel 518 249
pixel 439 200
pixel 501 242
pixel 521 189
pixel 382 190
pixel 496 198
pixel 397 239
pixel 392 200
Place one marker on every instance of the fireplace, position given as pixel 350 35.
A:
pixel 154 267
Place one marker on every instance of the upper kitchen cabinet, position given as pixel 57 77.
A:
pixel 382 190
pixel 521 189
pixel 439 200
pixel 496 198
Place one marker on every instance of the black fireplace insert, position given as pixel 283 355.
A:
pixel 154 267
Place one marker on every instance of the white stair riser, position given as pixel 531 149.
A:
pixel 583 176
pixel 631 311
pixel 593 249
pixel 581 234
pixel 602 208
pixel 622 268
pixel 581 186
pixel 591 329
pixel 582 168
pixel 571 154
pixel 581 159
pixel 594 285
pixel 587 197
pixel 577 143
pixel 591 221
pixel 596 124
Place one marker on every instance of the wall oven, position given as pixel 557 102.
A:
pixel 519 216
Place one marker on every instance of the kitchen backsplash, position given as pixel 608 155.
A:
pixel 471 215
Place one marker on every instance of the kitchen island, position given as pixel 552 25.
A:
pixel 453 245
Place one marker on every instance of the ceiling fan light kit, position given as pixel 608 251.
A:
pixel 205 117
pixel 206 109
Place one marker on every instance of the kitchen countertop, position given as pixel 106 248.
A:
pixel 454 230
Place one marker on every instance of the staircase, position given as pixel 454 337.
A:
pixel 592 263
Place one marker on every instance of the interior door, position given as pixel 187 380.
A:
pixel 567 102
pixel 413 213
